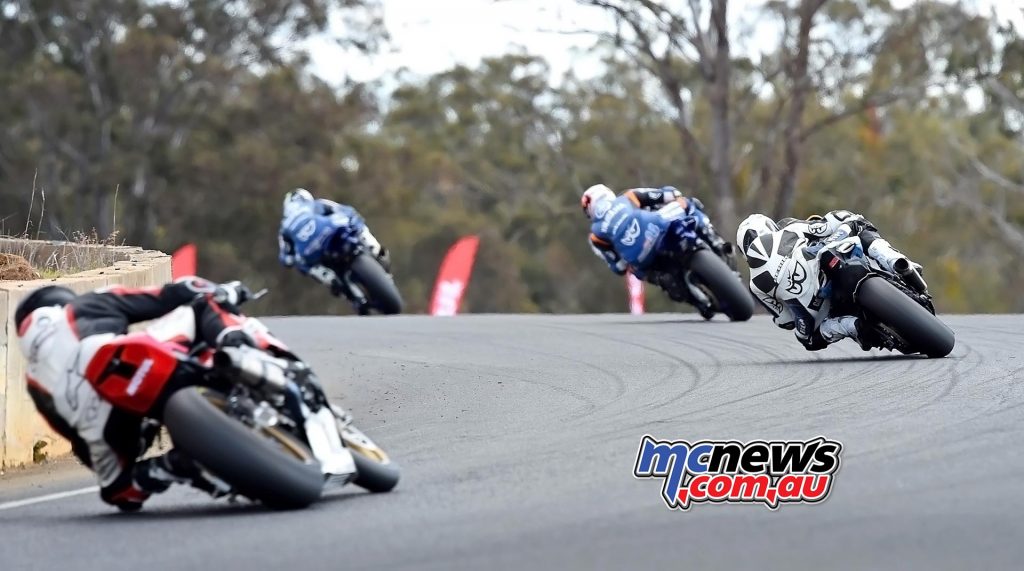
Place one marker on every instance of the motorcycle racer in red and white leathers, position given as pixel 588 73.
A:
pixel 95 383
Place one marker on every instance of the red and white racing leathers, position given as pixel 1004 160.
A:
pixel 94 382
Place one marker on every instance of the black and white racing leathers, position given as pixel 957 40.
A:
pixel 785 276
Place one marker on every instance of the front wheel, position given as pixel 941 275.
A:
pixel 375 472
pixel 377 284
pixel 374 476
pixel 267 465
pixel 922 331
pixel 721 283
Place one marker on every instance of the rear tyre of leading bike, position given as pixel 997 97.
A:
pixel 377 284
pixel 731 295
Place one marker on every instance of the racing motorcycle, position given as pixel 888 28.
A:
pixel 363 279
pixel 258 423
pixel 895 304
pixel 696 265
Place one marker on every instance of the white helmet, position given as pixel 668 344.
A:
pixel 296 197
pixel 593 195
pixel 298 194
pixel 753 226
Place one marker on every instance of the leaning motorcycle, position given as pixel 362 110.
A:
pixel 364 279
pixel 895 304
pixel 258 423
pixel 696 265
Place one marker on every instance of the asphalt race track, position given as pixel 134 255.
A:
pixel 518 435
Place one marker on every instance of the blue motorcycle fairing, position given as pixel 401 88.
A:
pixel 638 235
pixel 314 234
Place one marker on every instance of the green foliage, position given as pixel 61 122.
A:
pixel 198 125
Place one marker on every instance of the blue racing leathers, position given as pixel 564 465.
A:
pixel 309 229
pixel 628 236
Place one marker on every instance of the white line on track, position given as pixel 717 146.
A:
pixel 47 498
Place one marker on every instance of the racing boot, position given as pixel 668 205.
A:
pixel 837 328
pixel 681 291
pixel 378 251
pixel 355 296
pixel 155 475
pixel 668 283
pixel 699 299
pixel 384 259
pixel 352 293
pixel 720 246
pixel 894 261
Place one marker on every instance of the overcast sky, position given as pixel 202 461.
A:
pixel 432 35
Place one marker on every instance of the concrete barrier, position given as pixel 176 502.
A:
pixel 22 430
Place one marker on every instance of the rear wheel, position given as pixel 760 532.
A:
pixel 732 297
pixel 377 284
pixel 268 465
pixel 921 330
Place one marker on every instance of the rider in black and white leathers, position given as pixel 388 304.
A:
pixel 785 273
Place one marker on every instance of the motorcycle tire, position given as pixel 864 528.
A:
pixel 377 284
pixel 267 465
pixel 921 330
pixel 732 297
pixel 374 476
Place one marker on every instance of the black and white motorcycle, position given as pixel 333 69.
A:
pixel 895 304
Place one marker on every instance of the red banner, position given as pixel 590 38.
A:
pixel 635 288
pixel 183 261
pixel 453 276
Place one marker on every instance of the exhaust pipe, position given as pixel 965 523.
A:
pixel 252 365
pixel 903 268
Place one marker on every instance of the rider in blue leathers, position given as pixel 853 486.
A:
pixel 629 230
pixel 310 226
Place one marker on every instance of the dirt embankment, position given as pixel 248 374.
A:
pixel 15 267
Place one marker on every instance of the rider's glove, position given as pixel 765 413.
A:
pixel 232 293
pixel 813 343
pixel 235 337
pixel 619 267
pixel 286 251
pixel 671 191
pixel 337 288
pixel 787 326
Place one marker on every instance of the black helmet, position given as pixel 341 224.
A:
pixel 42 297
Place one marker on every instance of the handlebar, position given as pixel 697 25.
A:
pixel 259 294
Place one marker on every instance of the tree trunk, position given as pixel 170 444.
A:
pixel 792 134
pixel 721 129
pixel 691 146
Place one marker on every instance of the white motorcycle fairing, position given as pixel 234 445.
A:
pixel 336 461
